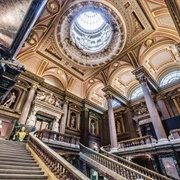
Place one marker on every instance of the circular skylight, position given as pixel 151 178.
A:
pixel 90 21
pixel 90 32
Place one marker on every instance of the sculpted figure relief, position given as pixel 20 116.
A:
pixel 41 97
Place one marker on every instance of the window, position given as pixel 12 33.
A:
pixel 137 93
pixel 170 77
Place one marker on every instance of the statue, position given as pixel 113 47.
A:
pixel 32 119
pixel 55 126
pixel 10 100
pixel 92 127
pixel 73 119
pixel 20 135
pixel 119 127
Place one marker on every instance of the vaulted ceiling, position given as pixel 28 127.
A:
pixel 143 35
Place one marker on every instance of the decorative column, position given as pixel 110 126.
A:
pixel 130 125
pixel 27 105
pixel 112 125
pixel 85 126
pixel 162 106
pixel 64 118
pixel 140 74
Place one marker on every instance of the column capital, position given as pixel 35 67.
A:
pixel 34 86
pixel 140 74
pixel 160 97
pixel 108 95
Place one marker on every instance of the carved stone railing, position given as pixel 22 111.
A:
pixel 121 170
pixel 174 136
pixel 53 137
pixel 136 167
pixel 134 144
pixel 57 165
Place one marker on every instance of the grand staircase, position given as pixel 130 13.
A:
pixel 17 163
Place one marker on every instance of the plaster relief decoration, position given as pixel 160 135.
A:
pixel 49 99
pixel 140 109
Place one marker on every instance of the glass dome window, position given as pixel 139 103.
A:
pixel 90 31
pixel 137 93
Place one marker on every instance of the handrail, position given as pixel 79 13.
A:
pixel 117 167
pixel 134 166
pixel 56 137
pixel 58 165
pixel 135 143
pixel 140 141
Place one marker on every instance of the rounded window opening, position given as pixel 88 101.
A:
pixel 91 31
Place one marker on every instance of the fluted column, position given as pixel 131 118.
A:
pixel 27 105
pixel 64 118
pixel 156 121
pixel 162 106
pixel 112 125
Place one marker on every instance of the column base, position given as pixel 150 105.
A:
pixel 113 150
pixel 162 142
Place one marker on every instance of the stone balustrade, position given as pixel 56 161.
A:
pixel 136 143
pixel 174 136
pixel 133 144
pixel 134 166
pixel 56 164
pixel 110 167
pixel 53 137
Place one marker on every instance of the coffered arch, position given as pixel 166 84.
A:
pixel 96 95
pixel 158 56
pixel 122 79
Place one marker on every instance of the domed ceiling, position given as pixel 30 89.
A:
pixel 82 46
pixel 90 33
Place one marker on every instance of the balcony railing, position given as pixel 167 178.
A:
pixel 123 168
pixel 134 166
pixel 53 137
pixel 58 165
pixel 133 144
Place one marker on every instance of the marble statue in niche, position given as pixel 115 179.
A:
pixel 93 127
pixel 10 100
pixel 73 121
pixel 119 127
